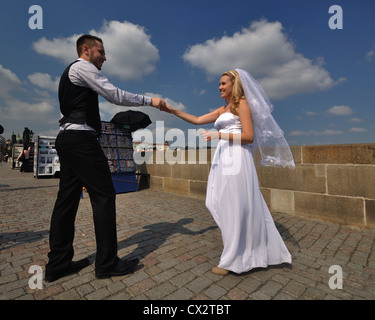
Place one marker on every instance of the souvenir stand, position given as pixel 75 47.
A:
pixel 117 144
pixel 46 160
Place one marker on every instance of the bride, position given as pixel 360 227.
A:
pixel 250 238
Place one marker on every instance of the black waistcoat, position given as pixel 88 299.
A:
pixel 78 104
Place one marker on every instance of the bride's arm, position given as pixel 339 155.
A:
pixel 207 118
pixel 244 112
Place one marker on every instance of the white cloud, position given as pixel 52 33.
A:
pixel 328 132
pixel 129 51
pixel 369 55
pixel 63 49
pixel 311 113
pixel 14 108
pixel 8 82
pixel 355 120
pixel 28 112
pixel 20 107
pixel 357 130
pixel 264 51
pixel 340 111
pixel 44 81
pixel 297 133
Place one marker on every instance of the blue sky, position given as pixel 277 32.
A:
pixel 320 81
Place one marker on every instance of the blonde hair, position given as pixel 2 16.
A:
pixel 237 91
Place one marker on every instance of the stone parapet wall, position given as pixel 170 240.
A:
pixel 331 182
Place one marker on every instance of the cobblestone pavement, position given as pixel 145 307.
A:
pixel 178 243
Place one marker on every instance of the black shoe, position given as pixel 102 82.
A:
pixel 122 267
pixel 75 267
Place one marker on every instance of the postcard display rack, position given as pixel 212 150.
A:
pixel 117 144
pixel 46 160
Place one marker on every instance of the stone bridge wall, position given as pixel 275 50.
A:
pixel 332 182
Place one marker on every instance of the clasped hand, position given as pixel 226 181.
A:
pixel 158 103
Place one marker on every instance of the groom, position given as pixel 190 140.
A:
pixel 83 163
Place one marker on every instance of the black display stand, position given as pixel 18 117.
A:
pixel 117 144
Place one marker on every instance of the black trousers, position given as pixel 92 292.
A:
pixel 82 163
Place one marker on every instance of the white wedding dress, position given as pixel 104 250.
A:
pixel 249 235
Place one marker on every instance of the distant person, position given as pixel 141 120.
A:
pixel 24 157
pixel 2 144
pixel 83 163
pixel 249 235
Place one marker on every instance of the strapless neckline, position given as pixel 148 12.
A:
pixel 227 113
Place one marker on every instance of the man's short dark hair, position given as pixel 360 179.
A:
pixel 87 39
pixel 1 129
